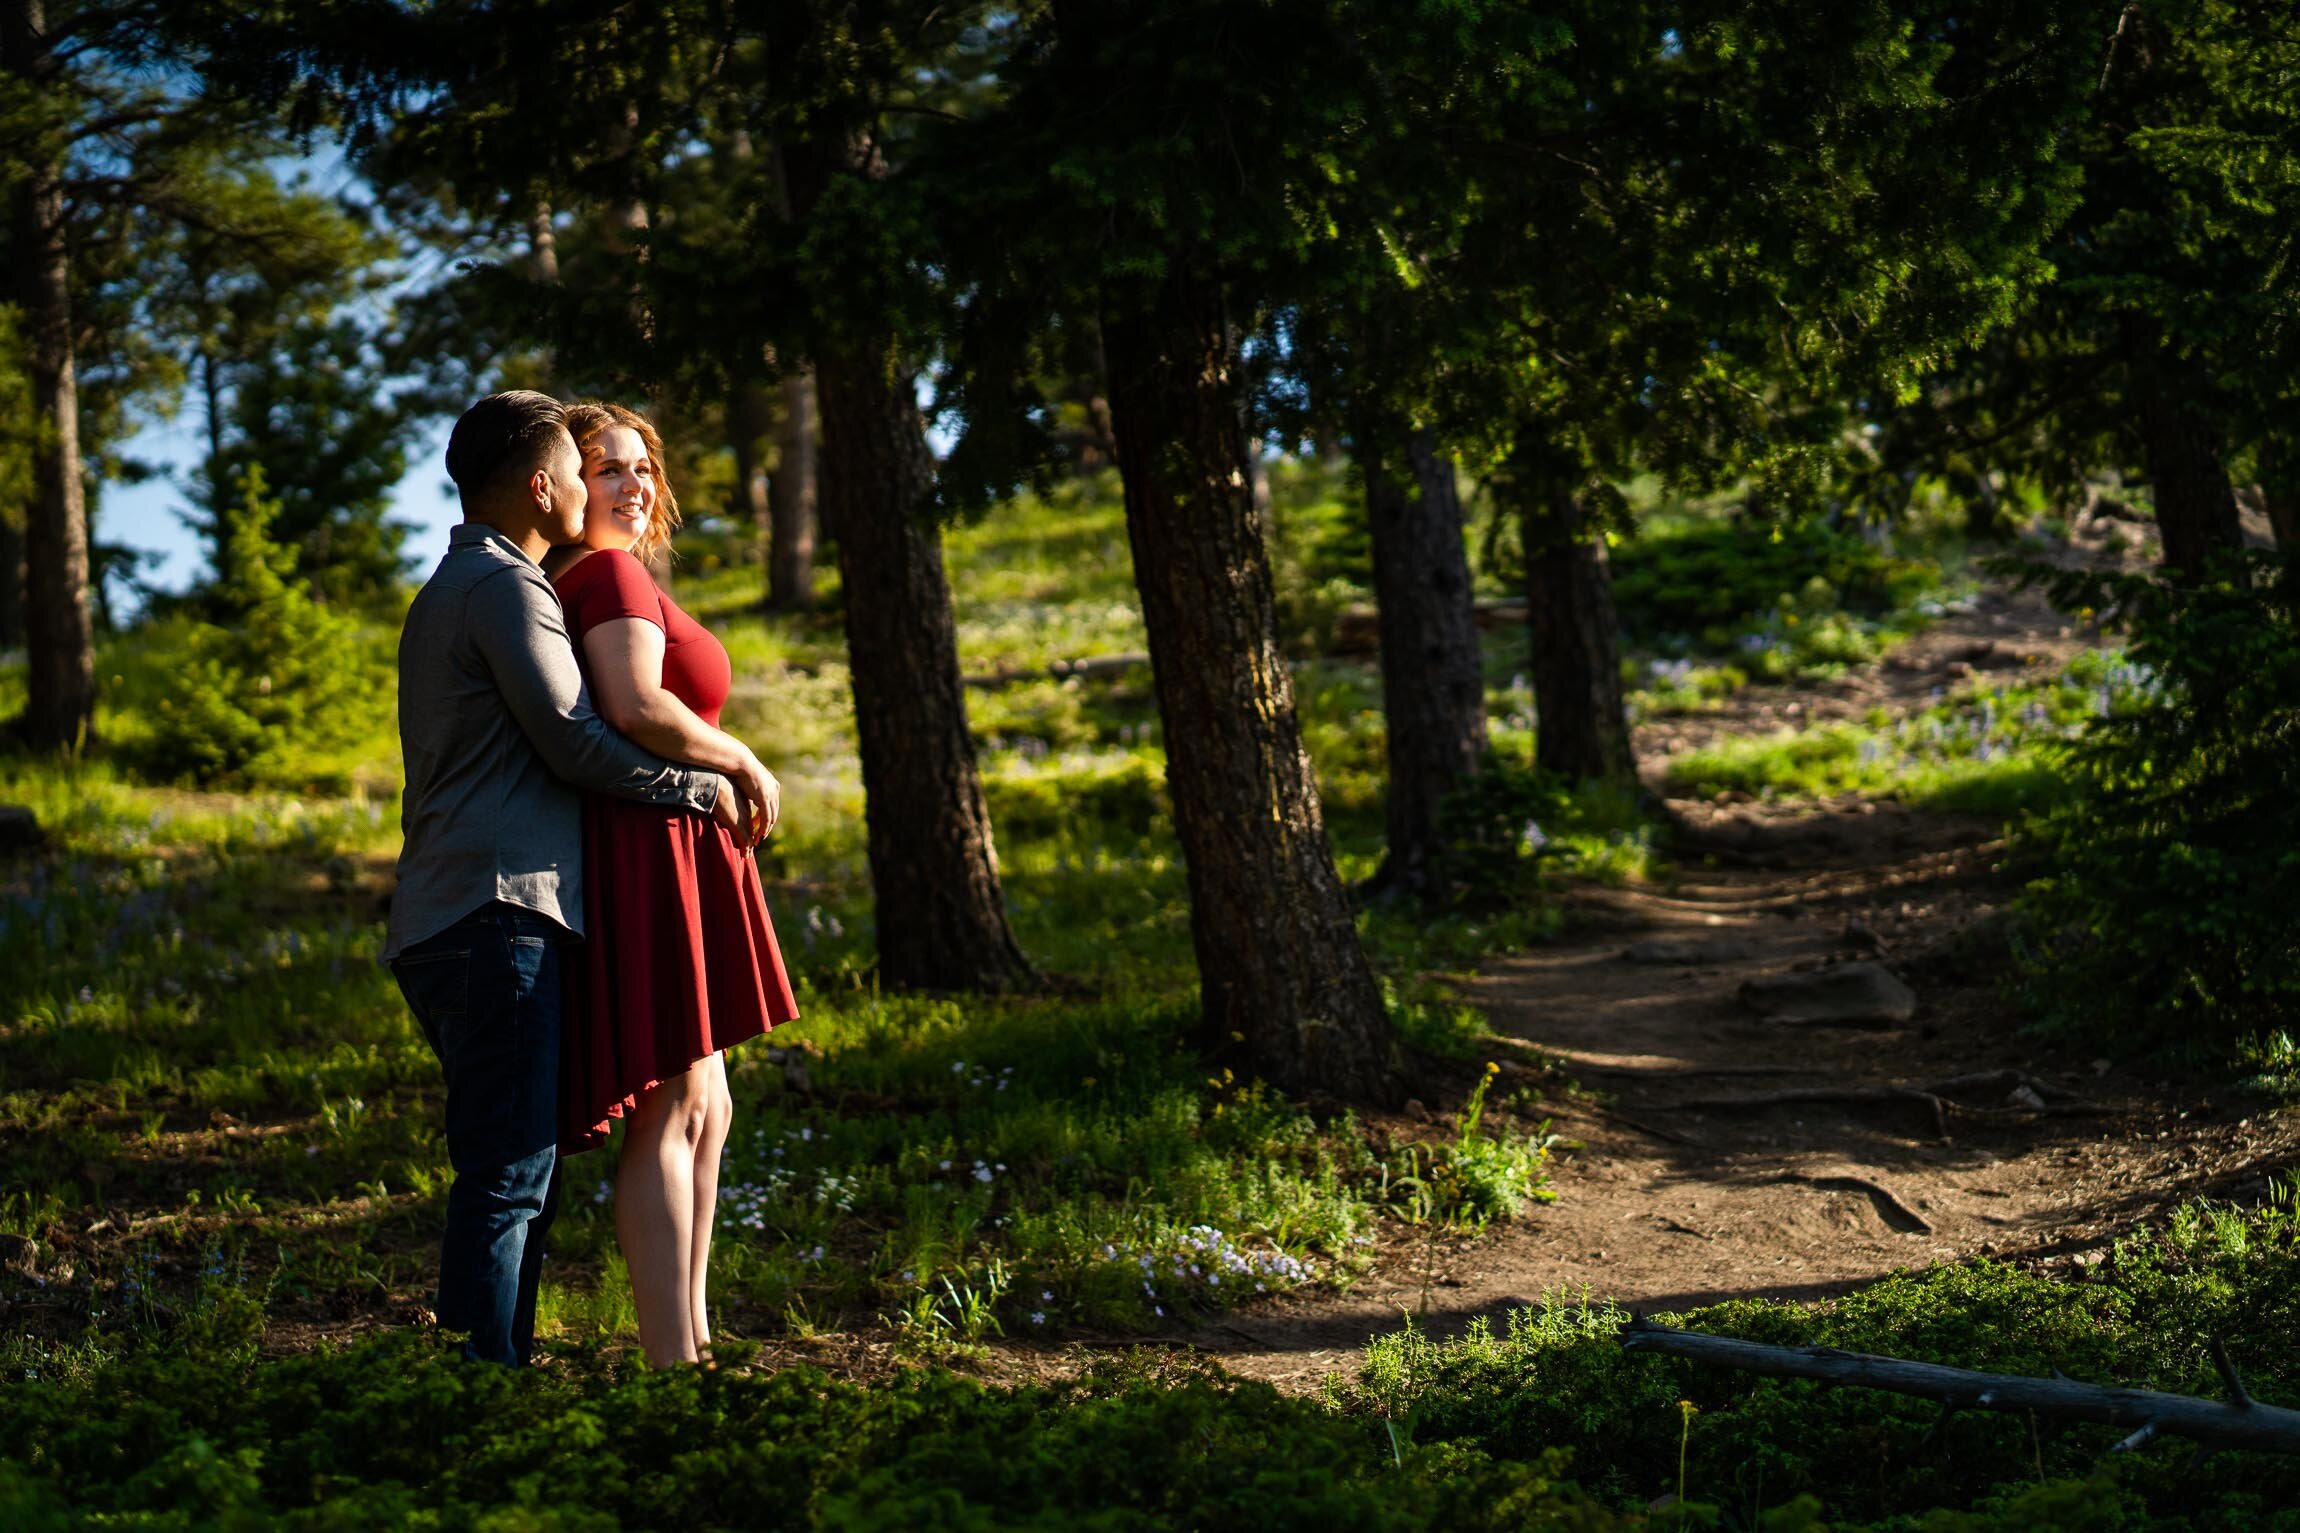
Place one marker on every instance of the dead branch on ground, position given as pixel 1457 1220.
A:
pixel 2236 1422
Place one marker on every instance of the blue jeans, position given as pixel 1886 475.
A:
pixel 487 993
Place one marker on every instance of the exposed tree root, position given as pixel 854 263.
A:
pixel 2044 1100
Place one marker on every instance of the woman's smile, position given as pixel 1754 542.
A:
pixel 619 478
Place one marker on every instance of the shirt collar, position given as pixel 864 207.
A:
pixel 465 534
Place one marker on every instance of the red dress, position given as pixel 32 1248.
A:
pixel 681 959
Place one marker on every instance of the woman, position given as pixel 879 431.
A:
pixel 682 962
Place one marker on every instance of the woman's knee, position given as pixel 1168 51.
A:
pixel 679 1108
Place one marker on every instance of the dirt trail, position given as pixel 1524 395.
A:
pixel 1668 1203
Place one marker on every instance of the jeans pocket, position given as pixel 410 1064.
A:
pixel 502 1055
pixel 438 990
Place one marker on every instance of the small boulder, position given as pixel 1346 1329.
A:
pixel 1713 950
pixel 1848 995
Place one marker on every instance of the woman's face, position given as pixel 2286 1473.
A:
pixel 619 480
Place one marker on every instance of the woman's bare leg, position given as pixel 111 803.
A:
pixel 718 1116
pixel 655 1212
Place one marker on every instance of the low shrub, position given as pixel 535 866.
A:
pixel 1989 750
pixel 2164 912
pixel 399 1433
pixel 1511 827
pixel 275 680
pixel 1477 1175
pixel 1557 1379
pixel 1746 585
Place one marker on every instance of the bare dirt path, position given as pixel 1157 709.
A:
pixel 2029 1152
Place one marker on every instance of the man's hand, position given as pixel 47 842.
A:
pixel 765 794
pixel 733 810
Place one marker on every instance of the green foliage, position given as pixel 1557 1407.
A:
pixel 1999 750
pixel 2162 916
pixel 1476 1433
pixel 1512 829
pixel 1558 1379
pixel 1479 1175
pixel 283 288
pixel 2170 293
pixel 1782 601
pixel 18 431
pixel 398 1432
pixel 276 676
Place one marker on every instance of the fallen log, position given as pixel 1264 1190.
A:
pixel 2236 1422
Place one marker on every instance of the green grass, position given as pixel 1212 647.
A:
pixel 1987 749
pixel 203 1056
pixel 219 1135
pixel 202 1049
pixel 1775 603
pixel 1546 1423
pixel 1556 1379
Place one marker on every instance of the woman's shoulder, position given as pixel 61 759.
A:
pixel 608 564
pixel 610 583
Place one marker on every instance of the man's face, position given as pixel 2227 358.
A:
pixel 563 493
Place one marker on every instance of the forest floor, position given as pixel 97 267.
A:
pixel 1670 1198
pixel 204 1121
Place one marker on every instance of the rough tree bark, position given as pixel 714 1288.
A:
pixel 941 912
pixel 1283 976
pixel 750 420
pixel 1984 508
pixel 59 638
pixel 792 496
pixel 1433 687
pixel 2185 446
pixel 934 870
pixel 11 584
pixel 1581 717
pixel 2280 494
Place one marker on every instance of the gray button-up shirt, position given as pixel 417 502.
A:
pixel 498 735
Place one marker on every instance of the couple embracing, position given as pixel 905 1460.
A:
pixel 579 926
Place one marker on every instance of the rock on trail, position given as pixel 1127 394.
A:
pixel 1844 995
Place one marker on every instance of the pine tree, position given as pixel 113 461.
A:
pixel 716 263
pixel 274 676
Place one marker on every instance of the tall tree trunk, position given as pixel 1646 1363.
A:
pixel 749 416
pixel 2195 502
pixel 934 871
pixel 941 912
pixel 1279 963
pixel 1984 508
pixel 1581 718
pixel 60 711
pixel 2280 494
pixel 11 584
pixel 792 499
pixel 1433 686
pixel 2184 445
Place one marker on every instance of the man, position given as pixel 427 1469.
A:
pixel 498 736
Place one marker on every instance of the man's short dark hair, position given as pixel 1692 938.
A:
pixel 503 437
